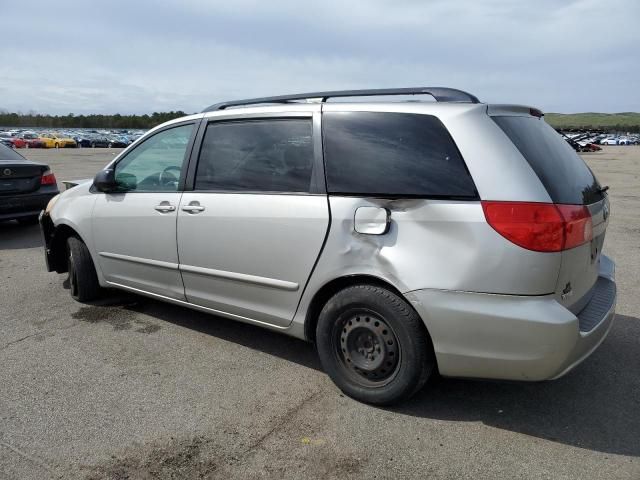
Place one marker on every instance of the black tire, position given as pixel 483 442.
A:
pixel 83 281
pixel 30 220
pixel 373 345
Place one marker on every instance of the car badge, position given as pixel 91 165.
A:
pixel 605 211
pixel 7 172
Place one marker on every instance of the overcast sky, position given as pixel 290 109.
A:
pixel 141 56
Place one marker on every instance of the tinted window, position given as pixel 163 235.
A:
pixel 7 153
pixel 392 154
pixel 156 163
pixel 260 155
pixel 562 172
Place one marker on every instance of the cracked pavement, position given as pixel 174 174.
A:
pixel 133 388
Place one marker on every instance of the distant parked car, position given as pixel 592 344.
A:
pixel 25 187
pixel 7 139
pixel 18 142
pixel 11 140
pixel 53 140
pixel 100 142
pixel 609 141
pixel 82 141
pixel 118 142
pixel 32 140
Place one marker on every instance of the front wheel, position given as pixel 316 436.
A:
pixel 373 345
pixel 83 280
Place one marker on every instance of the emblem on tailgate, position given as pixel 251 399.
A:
pixel 7 172
pixel 567 291
pixel 605 211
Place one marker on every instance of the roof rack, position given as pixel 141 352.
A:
pixel 441 94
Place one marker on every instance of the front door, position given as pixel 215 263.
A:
pixel 135 228
pixel 251 230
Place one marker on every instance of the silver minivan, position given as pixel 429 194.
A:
pixel 402 238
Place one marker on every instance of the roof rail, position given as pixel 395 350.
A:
pixel 441 94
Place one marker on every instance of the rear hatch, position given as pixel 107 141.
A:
pixel 17 174
pixel 569 181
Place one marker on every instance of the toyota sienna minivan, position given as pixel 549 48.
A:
pixel 402 238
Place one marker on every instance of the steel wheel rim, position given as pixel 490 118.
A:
pixel 366 347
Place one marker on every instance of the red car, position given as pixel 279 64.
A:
pixel 32 140
pixel 18 142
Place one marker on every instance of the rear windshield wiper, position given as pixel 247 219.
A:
pixel 603 189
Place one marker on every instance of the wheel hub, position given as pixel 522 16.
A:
pixel 369 347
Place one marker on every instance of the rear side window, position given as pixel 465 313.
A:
pixel 7 153
pixel 393 154
pixel 256 155
pixel 563 173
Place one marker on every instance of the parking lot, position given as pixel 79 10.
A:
pixel 134 388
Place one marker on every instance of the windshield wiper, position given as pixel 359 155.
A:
pixel 603 189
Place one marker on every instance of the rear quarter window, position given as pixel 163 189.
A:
pixel 393 154
pixel 7 153
pixel 565 176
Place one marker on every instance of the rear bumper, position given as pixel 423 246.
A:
pixel 24 205
pixel 514 337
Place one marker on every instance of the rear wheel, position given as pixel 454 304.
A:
pixel 373 345
pixel 83 280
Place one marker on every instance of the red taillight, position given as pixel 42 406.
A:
pixel 48 178
pixel 543 227
pixel 578 225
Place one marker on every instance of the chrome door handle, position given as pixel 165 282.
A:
pixel 193 208
pixel 165 207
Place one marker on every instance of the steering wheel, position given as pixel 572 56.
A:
pixel 172 178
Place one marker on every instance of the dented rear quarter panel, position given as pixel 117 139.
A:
pixel 431 244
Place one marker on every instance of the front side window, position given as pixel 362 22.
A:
pixel 256 155
pixel 393 154
pixel 155 165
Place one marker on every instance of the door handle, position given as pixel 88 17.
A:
pixel 193 208
pixel 164 207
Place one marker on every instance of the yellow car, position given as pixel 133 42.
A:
pixel 53 140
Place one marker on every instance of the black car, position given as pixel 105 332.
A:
pixel 98 141
pixel 83 141
pixel 25 187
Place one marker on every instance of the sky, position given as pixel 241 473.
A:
pixel 141 56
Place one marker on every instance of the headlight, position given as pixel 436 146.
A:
pixel 51 203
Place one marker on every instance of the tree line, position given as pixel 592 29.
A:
pixel 146 121
pixel 115 121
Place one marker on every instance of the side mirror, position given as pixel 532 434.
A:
pixel 105 181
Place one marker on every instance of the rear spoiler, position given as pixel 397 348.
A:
pixel 514 110
pixel 74 183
